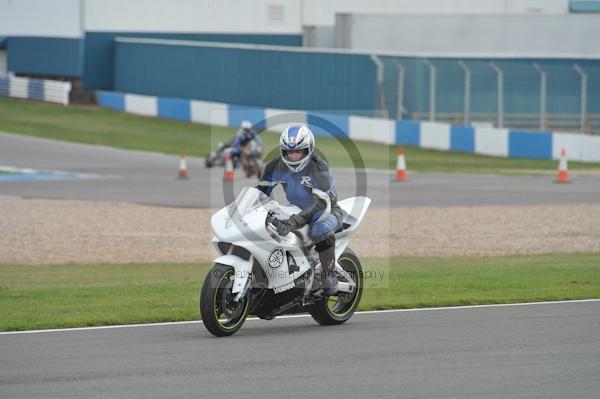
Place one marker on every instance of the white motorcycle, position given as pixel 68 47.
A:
pixel 262 273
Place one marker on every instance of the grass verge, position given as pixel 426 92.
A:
pixel 37 297
pixel 92 125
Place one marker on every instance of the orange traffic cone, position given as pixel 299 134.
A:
pixel 401 166
pixel 228 175
pixel 183 171
pixel 563 174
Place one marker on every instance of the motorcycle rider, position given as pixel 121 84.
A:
pixel 308 184
pixel 243 136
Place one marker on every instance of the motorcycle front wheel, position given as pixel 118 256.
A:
pixel 221 314
pixel 339 308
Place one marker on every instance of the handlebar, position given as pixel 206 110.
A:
pixel 272 220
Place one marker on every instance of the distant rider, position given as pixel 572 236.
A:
pixel 308 184
pixel 243 136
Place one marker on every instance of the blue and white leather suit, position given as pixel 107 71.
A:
pixel 309 190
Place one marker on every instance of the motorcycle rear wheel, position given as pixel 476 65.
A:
pixel 339 308
pixel 221 315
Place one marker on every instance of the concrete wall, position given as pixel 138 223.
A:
pixel 71 18
pixel 318 36
pixel 56 18
pixel 319 12
pixel 193 16
pixel 460 34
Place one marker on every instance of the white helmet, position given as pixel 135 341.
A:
pixel 246 125
pixel 297 138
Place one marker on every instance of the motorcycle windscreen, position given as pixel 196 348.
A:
pixel 249 199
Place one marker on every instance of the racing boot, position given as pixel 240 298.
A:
pixel 329 280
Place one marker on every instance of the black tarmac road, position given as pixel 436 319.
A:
pixel 150 178
pixel 549 350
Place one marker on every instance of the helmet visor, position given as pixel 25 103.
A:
pixel 294 156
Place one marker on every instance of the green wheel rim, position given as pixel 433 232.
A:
pixel 242 315
pixel 358 288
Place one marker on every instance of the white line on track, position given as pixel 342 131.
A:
pixel 364 312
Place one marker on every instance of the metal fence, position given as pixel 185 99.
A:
pixel 530 94
pixel 541 95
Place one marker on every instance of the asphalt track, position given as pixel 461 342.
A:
pixel 549 350
pixel 150 178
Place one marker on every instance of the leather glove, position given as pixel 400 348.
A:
pixel 295 222
pixel 285 226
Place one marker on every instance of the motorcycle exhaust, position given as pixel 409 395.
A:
pixel 346 288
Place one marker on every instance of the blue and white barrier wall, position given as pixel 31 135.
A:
pixel 35 89
pixel 440 136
